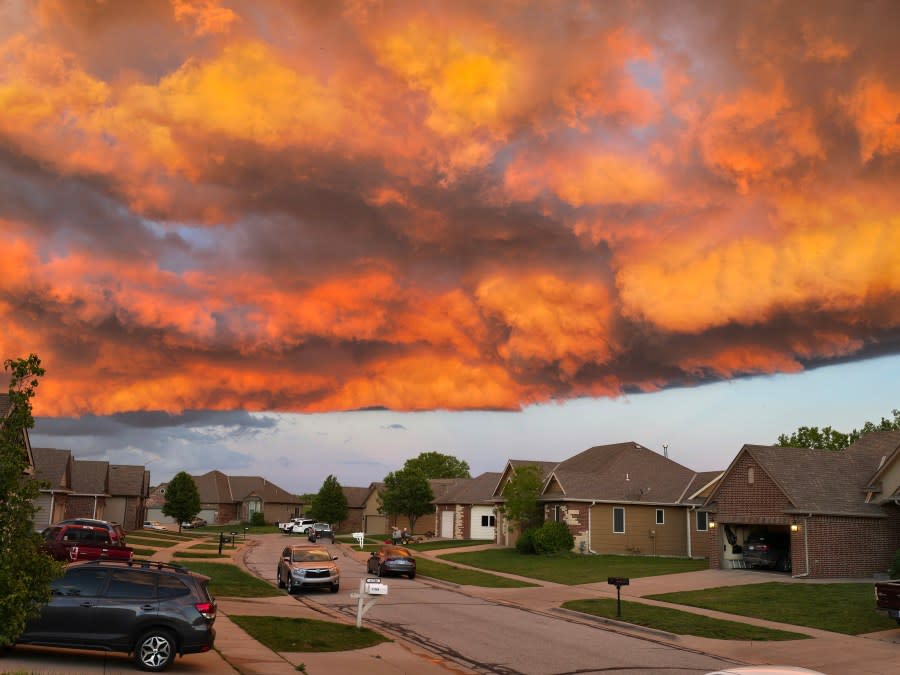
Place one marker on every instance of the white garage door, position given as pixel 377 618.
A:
pixel 483 523
pixel 447 524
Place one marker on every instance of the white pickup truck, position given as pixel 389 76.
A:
pixel 297 525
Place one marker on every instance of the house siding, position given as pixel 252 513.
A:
pixel 842 547
pixel 642 534
pixel 758 503
pixel 42 516
pixel 85 506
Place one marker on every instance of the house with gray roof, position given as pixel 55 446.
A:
pixel 507 532
pixel 53 467
pixel 356 508
pixel 129 487
pixel 467 510
pixel 90 489
pixel 840 511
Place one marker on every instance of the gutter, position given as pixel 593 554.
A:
pixel 590 513
pixel 687 514
pixel 805 548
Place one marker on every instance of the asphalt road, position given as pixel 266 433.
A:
pixel 486 636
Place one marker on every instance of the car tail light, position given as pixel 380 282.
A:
pixel 207 610
pixel 762 547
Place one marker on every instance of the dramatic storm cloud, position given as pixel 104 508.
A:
pixel 320 206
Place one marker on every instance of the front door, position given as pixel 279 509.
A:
pixel 447 524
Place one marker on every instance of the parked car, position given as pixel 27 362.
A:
pixel 102 604
pixel 116 531
pixel 306 566
pixel 194 522
pixel 154 525
pixel 320 531
pixel 770 549
pixel 82 542
pixel 887 598
pixel 297 525
pixel 390 559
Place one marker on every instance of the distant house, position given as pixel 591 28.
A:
pixel 356 508
pixel 90 489
pixel 467 510
pixel 231 499
pixel 840 511
pixel 27 455
pixel 507 532
pixel 129 488
pixel 54 468
pixel 377 523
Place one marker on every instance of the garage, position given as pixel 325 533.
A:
pixel 483 523
pixel 756 546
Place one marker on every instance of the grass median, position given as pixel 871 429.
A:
pixel 230 581
pixel 465 577
pixel 282 634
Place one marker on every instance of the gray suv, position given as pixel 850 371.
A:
pixel 148 609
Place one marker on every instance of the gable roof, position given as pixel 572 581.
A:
pixel 215 487
pixel 543 467
pixel 621 472
pixel 478 490
pixel 357 496
pixel 126 480
pixel 52 465
pixel 90 477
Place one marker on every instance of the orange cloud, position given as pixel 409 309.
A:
pixel 875 111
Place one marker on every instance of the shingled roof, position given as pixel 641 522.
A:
pixel 51 465
pixel 89 477
pixel 127 480
pixel 217 488
pixel 478 490
pixel 356 496
pixel 620 472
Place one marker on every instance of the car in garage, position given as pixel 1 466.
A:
pixel 769 549
pixel 390 559
pixel 308 566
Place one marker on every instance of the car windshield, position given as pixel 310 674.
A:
pixel 311 556
pixel 400 553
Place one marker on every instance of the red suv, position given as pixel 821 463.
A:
pixel 83 542
pixel 116 531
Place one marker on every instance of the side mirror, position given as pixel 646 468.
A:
pixel 334 557
pixel 287 558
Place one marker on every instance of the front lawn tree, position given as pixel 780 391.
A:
pixel 521 497
pixel 406 493
pixel 438 465
pixel 25 572
pixel 330 503
pixel 182 498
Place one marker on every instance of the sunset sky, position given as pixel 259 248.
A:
pixel 298 238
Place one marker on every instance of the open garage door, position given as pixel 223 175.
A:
pixel 749 546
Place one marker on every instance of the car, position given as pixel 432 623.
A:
pixel 298 525
pixel 307 566
pixel 116 531
pixel 320 531
pixel 391 559
pixel 154 525
pixel 82 542
pixel 103 605
pixel 770 549
pixel 193 523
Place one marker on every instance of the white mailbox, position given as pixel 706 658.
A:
pixel 375 587
pixel 360 538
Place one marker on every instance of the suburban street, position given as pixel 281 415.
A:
pixel 486 636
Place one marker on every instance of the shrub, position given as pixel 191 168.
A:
pixel 553 537
pixel 894 571
pixel 257 519
pixel 525 542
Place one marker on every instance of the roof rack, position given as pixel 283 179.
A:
pixel 147 564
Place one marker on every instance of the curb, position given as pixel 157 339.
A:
pixel 623 625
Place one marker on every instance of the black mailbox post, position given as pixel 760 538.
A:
pixel 618 582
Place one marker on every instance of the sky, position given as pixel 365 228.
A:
pixel 299 239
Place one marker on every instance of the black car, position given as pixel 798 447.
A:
pixel 769 549
pixel 392 559
pixel 148 609
pixel 320 531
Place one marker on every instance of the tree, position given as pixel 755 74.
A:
pixel 25 571
pixel 521 494
pixel 438 465
pixel 830 439
pixel 182 498
pixel 406 493
pixel 330 504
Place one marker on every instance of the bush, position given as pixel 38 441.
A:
pixel 894 571
pixel 553 537
pixel 525 542
pixel 257 519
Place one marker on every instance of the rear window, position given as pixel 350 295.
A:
pixel 170 587
pixel 131 584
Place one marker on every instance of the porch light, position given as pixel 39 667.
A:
pixel 712 524
pixel 795 527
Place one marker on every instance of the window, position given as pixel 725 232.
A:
pixel 750 475
pixel 488 521
pixel 80 582
pixel 131 584
pixel 170 587
pixel 618 520
pixel 660 517
pixel 702 521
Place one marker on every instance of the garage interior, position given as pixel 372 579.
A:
pixel 734 545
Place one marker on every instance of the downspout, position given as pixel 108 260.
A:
pixel 94 511
pixel 590 513
pixel 52 506
pixel 805 548
pixel 688 523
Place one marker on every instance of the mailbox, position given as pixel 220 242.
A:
pixel 618 582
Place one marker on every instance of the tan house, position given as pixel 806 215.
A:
pixel 467 510
pixel 377 523
pixel 357 497
pixel 54 467
pixel 840 511
pixel 129 487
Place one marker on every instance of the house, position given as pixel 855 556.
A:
pixel 230 499
pixel 467 510
pixel 54 468
pixel 507 533
pixel 129 487
pixel 376 522
pixel 840 511
pixel 356 508
pixel 25 442
pixel 90 489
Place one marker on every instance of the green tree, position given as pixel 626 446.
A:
pixel 438 465
pixel 406 493
pixel 25 572
pixel 521 497
pixel 182 498
pixel 330 503
pixel 828 438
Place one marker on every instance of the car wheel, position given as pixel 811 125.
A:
pixel 155 650
pixel 290 585
pixel 280 582
pixel 412 575
pixel 335 588
pixel 381 570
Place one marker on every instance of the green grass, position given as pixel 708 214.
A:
pixel 239 528
pixel 197 555
pixel 676 621
pixel 573 569
pixel 230 581
pixel 840 608
pixel 143 552
pixel 158 542
pixel 282 634
pixel 208 547
pixel 466 577
pixel 448 543
pixel 161 535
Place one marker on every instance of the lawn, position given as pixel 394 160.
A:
pixel 434 545
pixel 158 542
pixel 573 569
pixel 840 608
pixel 209 555
pixel 679 622
pixel 230 581
pixel 282 634
pixel 465 577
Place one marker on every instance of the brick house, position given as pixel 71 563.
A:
pixel 507 532
pixel 90 489
pixel 467 510
pixel 129 487
pixel 54 467
pixel 356 508
pixel 839 509
pixel 377 522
